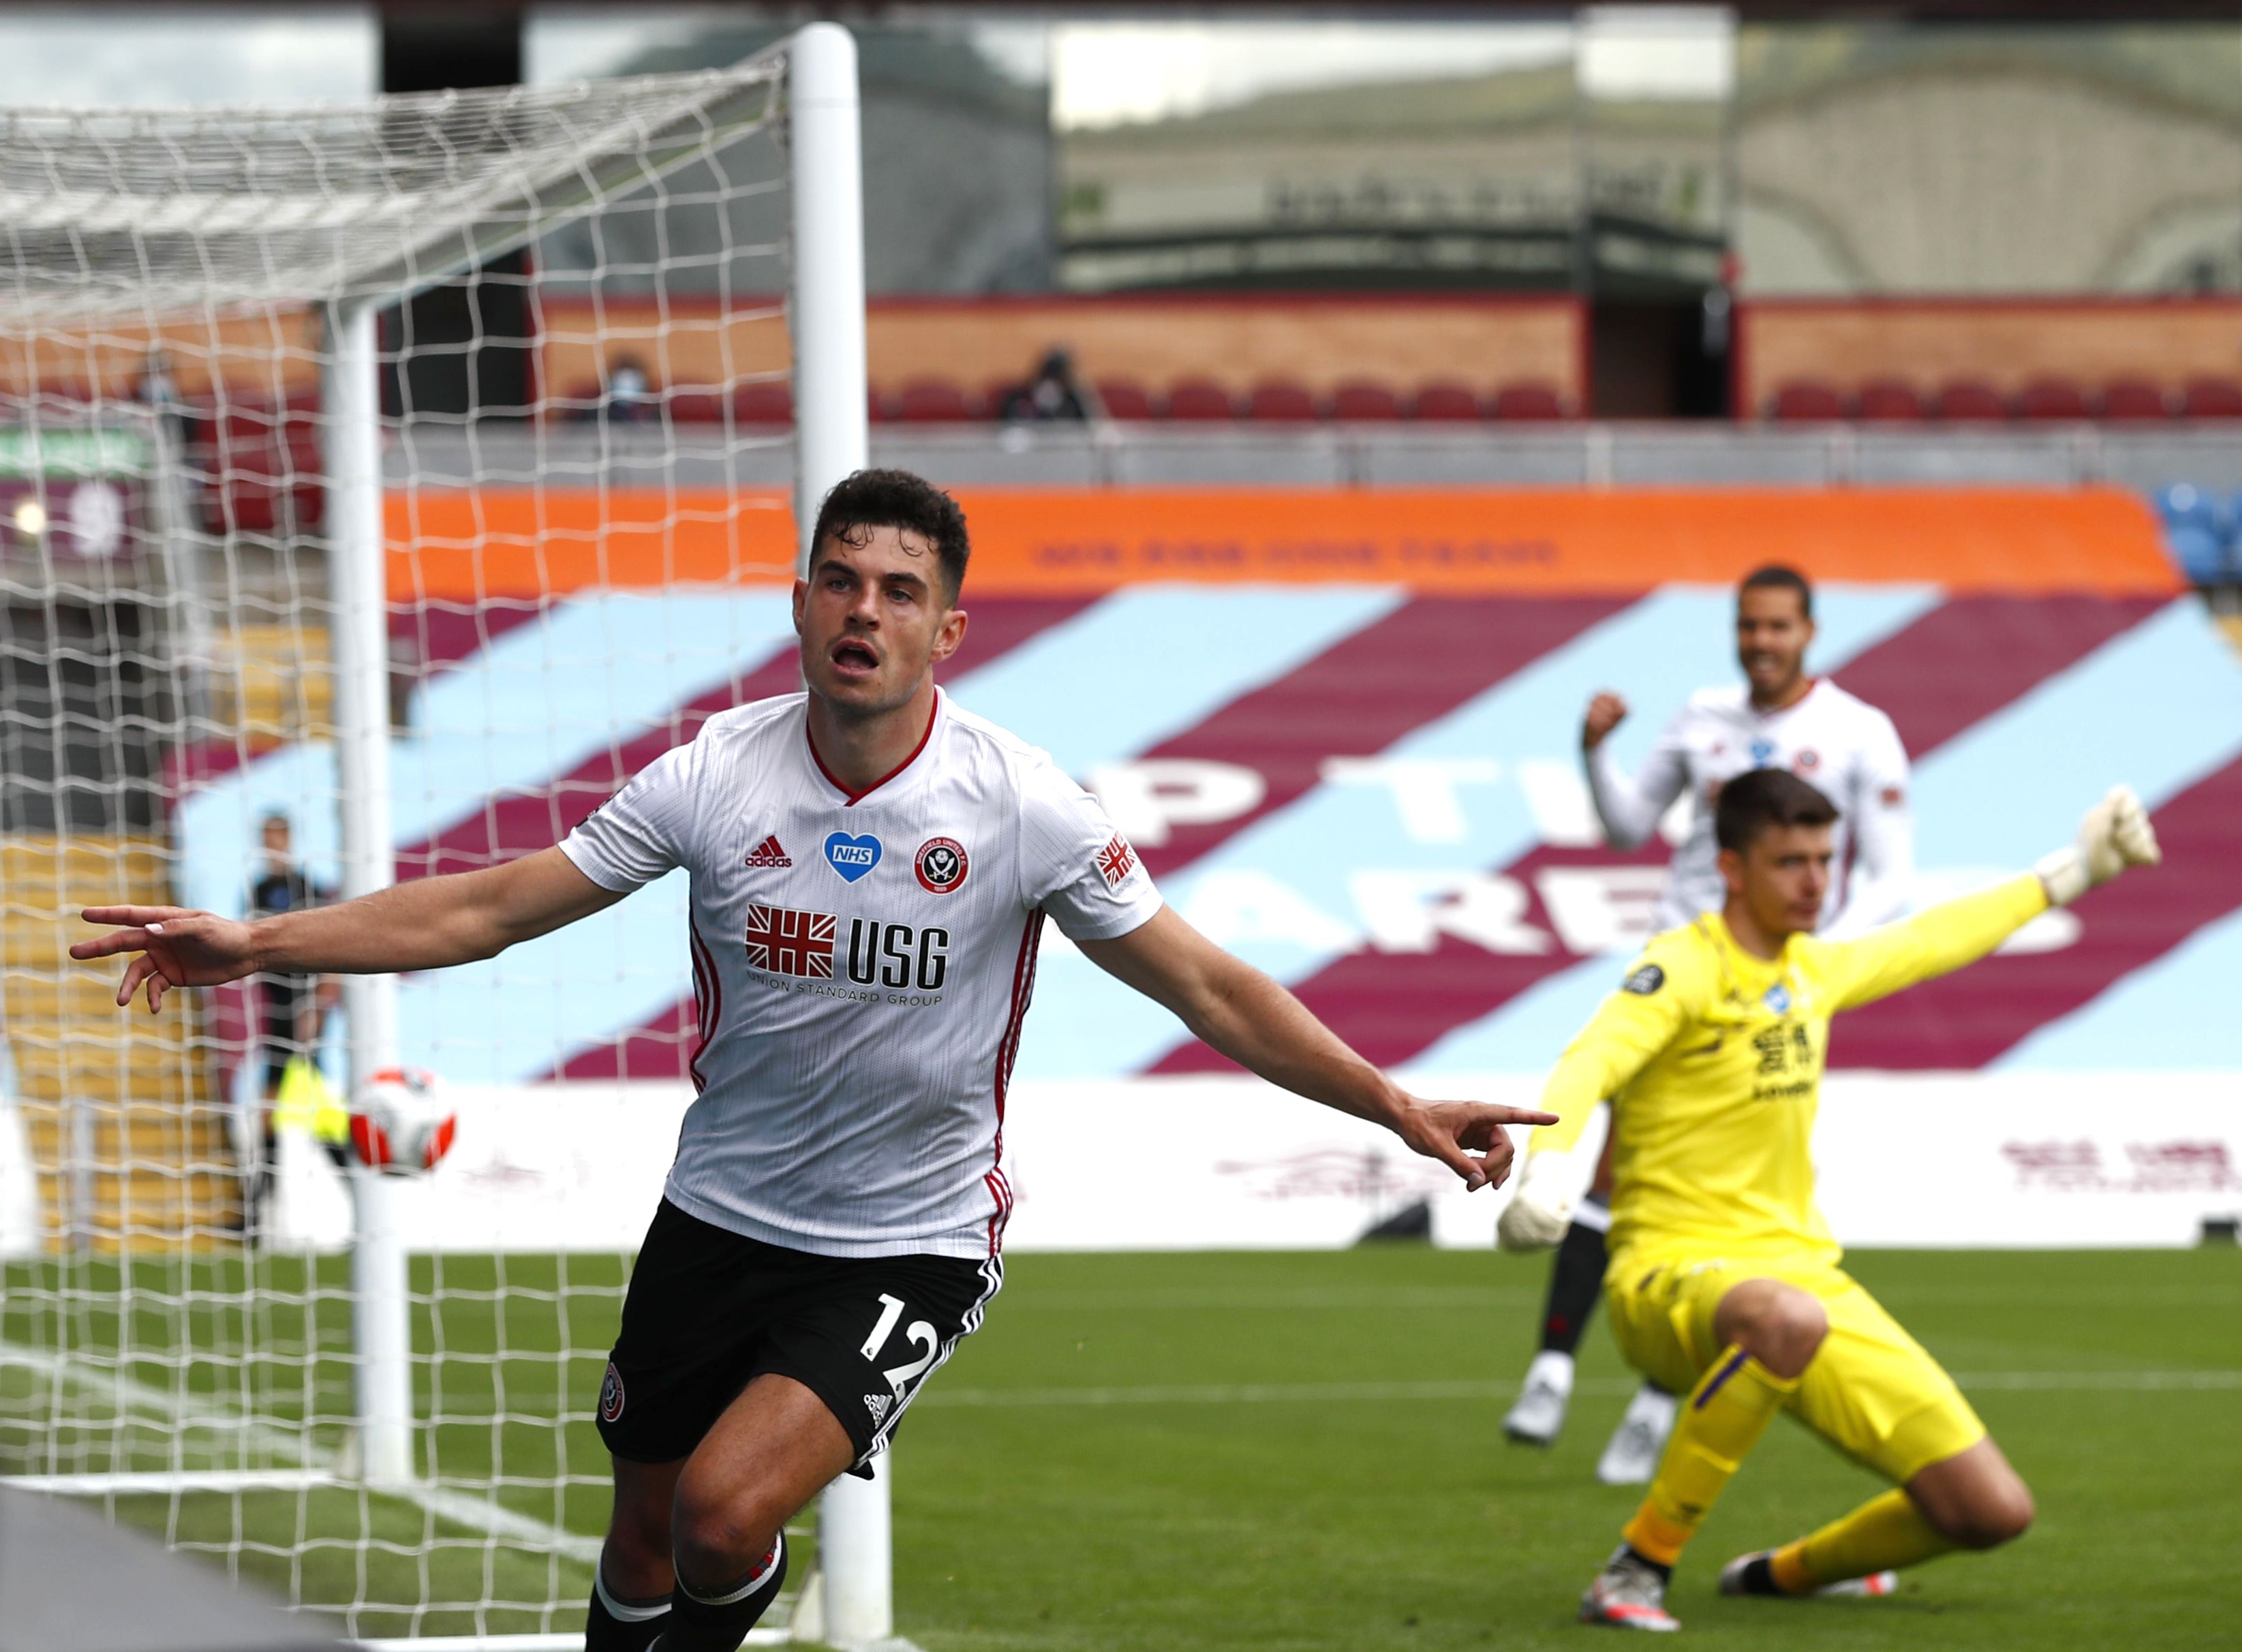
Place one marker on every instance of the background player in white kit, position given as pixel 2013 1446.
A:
pixel 1777 717
pixel 871 867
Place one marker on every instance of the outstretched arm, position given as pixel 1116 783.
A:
pixel 2115 835
pixel 1237 1010
pixel 425 925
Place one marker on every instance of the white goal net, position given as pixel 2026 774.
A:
pixel 380 486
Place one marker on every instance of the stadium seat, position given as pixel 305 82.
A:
pixel 1444 402
pixel 1968 401
pixel 1888 401
pixel 1281 401
pixel 2046 399
pixel 1365 402
pixel 1199 401
pixel 2130 400
pixel 1528 403
pixel 934 401
pixel 1806 401
pixel 2211 399
pixel 2197 533
pixel 696 406
pixel 879 406
pixel 1124 398
pixel 765 402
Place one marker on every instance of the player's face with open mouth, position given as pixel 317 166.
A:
pixel 874 616
pixel 1772 632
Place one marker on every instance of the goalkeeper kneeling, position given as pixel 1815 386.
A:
pixel 1725 1282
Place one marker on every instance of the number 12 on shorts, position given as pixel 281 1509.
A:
pixel 920 1335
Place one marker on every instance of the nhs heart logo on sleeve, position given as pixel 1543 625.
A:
pixel 852 856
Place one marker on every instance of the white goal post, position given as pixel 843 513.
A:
pixel 201 312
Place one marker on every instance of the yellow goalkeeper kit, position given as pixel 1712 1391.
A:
pixel 1712 1059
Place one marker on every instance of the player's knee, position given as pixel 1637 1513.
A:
pixel 1782 1328
pixel 718 1534
pixel 1998 1514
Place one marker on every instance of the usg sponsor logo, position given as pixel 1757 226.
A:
pixel 852 856
pixel 897 955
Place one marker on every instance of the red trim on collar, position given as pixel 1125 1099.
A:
pixel 1812 683
pixel 855 797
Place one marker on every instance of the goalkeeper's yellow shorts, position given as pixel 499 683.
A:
pixel 1872 1390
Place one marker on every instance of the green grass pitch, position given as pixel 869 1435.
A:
pixel 1303 1451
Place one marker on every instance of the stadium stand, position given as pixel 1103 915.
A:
pixel 935 401
pixel 129 1149
pixel 1968 401
pixel 2208 398
pixel 2198 530
pixel 1806 401
pixel 2051 399
pixel 1888 401
pixel 693 404
pixel 2127 400
pixel 763 403
pixel 1279 400
pixel 1365 402
pixel 1124 398
pixel 1444 402
pixel 1198 401
pixel 1528 403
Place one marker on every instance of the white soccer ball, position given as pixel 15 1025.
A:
pixel 401 1122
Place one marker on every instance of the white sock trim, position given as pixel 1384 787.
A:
pixel 1593 1214
pixel 735 1596
pixel 624 1611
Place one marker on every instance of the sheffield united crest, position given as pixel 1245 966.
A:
pixel 941 865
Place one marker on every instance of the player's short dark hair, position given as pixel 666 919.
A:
pixel 897 499
pixel 1763 797
pixel 1777 577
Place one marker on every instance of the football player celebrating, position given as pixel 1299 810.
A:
pixel 1779 717
pixel 872 868
pixel 1725 1282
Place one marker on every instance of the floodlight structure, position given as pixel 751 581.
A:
pixel 141 249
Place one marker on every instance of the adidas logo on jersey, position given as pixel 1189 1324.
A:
pixel 770 853
pixel 877 1404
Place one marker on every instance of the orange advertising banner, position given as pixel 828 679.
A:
pixel 496 542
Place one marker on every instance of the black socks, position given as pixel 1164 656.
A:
pixel 1578 1278
pixel 719 1622
pixel 614 1624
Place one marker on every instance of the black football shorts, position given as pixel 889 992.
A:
pixel 708 1310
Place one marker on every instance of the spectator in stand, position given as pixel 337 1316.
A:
pixel 630 392
pixel 1053 392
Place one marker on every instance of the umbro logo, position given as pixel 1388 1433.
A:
pixel 769 852
pixel 877 1404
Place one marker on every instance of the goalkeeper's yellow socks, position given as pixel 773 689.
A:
pixel 1719 1425
pixel 1883 1534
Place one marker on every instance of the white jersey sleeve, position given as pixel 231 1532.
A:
pixel 644 831
pixel 1882 830
pixel 1075 864
pixel 1630 810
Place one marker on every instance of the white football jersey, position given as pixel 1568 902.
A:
pixel 863 964
pixel 1845 746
